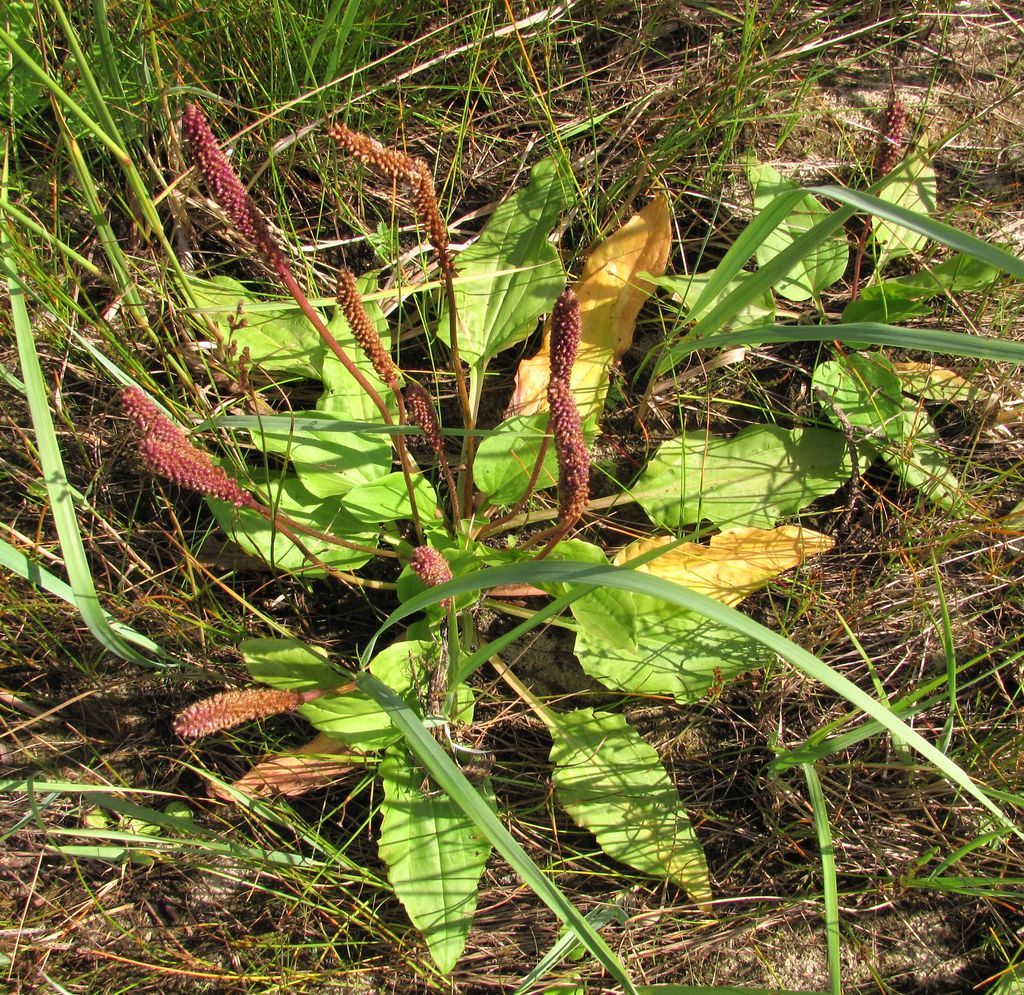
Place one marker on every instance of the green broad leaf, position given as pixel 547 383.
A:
pixel 869 392
pixel 823 264
pixel 688 289
pixel 1010 982
pixel 386 499
pixel 336 462
pixel 434 855
pixel 328 464
pixel 610 616
pixel 911 186
pixel 677 652
pixel 894 306
pixel 356 719
pixel 958 274
pixel 290 664
pixel 759 476
pixel 903 297
pixel 506 457
pixel 254 534
pixel 613 784
pixel 352 717
pixel 278 338
pixel 512 274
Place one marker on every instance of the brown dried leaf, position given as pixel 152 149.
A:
pixel 611 294
pixel 737 563
pixel 319 763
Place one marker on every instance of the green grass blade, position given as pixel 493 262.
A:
pixel 83 63
pixel 67 102
pixel 1002 260
pixel 622 578
pixel 565 945
pixel 718 990
pixel 766 277
pixel 869 332
pixel 448 776
pixel 830 891
pixel 745 246
pixel 759 282
pixel 28 569
pixel 949 652
pixel 57 487
pixel 6 207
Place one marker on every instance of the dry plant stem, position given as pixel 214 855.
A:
pixel 862 243
pixel 408 466
pixel 596 504
pixel 281 518
pixel 469 419
pixel 554 536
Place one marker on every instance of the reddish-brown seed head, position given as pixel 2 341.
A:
pixel 392 163
pixel 890 149
pixel 351 303
pixel 570 450
pixel 565 334
pixel 232 708
pixel 420 410
pixel 401 168
pixel 169 452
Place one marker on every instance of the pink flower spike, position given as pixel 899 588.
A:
pixel 431 568
pixel 169 452
pixel 227 189
pixel 232 708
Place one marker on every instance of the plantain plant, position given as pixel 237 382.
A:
pixel 453 506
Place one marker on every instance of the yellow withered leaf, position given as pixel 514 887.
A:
pixel 611 294
pixel 737 563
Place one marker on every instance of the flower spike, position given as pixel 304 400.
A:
pixel 169 452
pixel 232 708
pixel 227 189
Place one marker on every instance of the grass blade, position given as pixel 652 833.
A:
pixel 938 231
pixel 830 891
pixel 57 487
pixel 28 569
pixel 870 332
